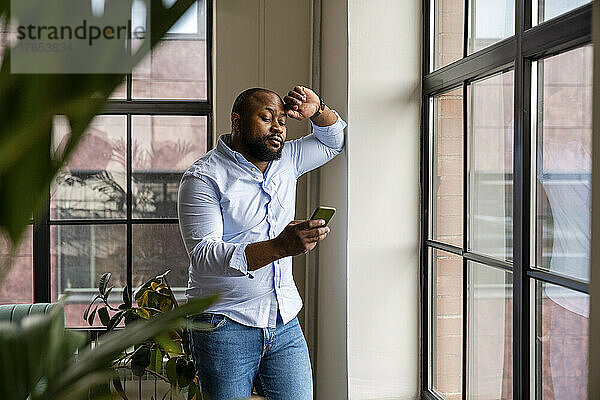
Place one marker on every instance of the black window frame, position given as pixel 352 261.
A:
pixel 127 107
pixel 565 32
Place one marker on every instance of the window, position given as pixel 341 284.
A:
pixel 507 177
pixel 113 207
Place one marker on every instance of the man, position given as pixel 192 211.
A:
pixel 236 210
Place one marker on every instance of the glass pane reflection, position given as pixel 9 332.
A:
pixel 79 255
pixel 562 322
pixel 163 148
pixel 175 69
pixel 490 134
pixel 447 168
pixel 489 22
pixel 489 335
pixel 448 32
pixel 548 9
pixel 157 248
pixel 447 280
pixel 17 286
pixel 92 183
pixel 564 162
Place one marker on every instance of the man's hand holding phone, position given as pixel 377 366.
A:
pixel 300 237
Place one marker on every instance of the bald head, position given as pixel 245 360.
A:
pixel 249 99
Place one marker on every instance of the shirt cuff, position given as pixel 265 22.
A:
pixel 239 261
pixel 338 125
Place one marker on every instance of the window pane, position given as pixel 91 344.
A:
pixel 92 184
pixel 79 255
pixel 447 324
pixel 447 168
pixel 157 248
pixel 490 127
pixel 448 31
pixel 17 285
pixel 163 148
pixel 564 163
pixel 562 319
pixel 547 9
pixel 177 66
pixel 489 318
pixel 192 21
pixel 176 69
pixel 490 21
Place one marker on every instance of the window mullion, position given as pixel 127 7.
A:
pixel 41 255
pixel 521 209
pixel 129 208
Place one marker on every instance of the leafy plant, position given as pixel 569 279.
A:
pixel 38 361
pixel 153 298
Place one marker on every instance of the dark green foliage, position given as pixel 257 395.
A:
pixel 153 299
pixel 37 357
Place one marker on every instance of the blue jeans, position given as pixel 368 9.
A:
pixel 231 358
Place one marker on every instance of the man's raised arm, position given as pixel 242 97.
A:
pixel 327 139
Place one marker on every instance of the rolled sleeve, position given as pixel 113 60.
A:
pixel 201 225
pixel 333 135
pixel 239 261
pixel 322 145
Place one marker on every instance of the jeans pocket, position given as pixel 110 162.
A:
pixel 213 321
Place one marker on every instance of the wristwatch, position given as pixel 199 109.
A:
pixel 321 108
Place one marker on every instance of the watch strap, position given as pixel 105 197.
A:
pixel 320 109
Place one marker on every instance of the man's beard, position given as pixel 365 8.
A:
pixel 259 149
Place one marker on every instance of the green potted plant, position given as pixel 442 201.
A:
pixel 152 299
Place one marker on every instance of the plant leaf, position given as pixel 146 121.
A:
pixel 140 360
pixel 92 316
pixel 114 321
pixel 127 297
pixel 104 317
pixel 148 285
pixel 156 359
pixel 87 309
pixel 171 368
pixel 192 391
pixel 171 346
pixel 185 372
pixel 131 316
pixel 119 387
pixel 142 312
pixel 103 282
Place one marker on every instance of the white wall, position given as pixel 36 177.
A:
pixel 378 179
pixel 383 198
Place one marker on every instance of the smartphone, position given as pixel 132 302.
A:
pixel 324 213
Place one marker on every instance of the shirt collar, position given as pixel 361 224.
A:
pixel 223 146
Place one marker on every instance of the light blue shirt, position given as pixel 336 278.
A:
pixel 226 203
